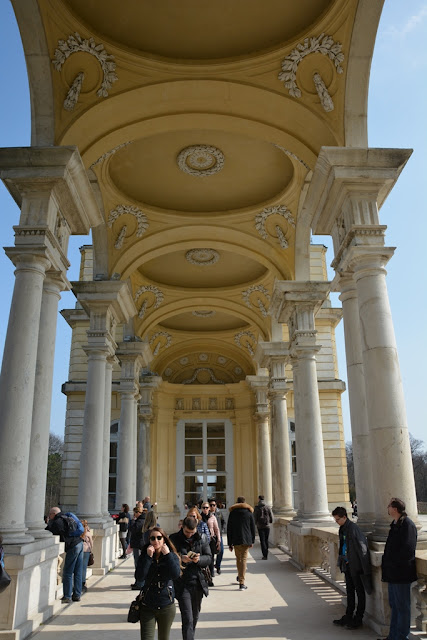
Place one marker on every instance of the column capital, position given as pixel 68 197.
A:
pixel 362 258
pixel 132 356
pixel 147 386
pixel 260 386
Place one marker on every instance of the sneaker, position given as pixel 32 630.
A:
pixel 353 624
pixel 76 598
pixel 264 557
pixel 341 622
pixel 218 571
pixel 242 587
pixel 66 600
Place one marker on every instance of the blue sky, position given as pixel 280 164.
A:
pixel 397 118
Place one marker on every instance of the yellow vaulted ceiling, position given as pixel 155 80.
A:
pixel 200 233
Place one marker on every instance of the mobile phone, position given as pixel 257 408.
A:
pixel 191 554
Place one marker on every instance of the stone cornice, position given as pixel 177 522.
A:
pixel 287 294
pixel 267 350
pixel 106 295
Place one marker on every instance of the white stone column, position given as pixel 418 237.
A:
pixel 17 392
pixel 106 439
pixel 357 398
pixel 260 386
pixel 39 445
pixel 394 475
pixel 299 441
pixel 296 303
pixel 280 452
pixel 135 449
pixel 147 386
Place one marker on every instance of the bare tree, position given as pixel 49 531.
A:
pixel 54 469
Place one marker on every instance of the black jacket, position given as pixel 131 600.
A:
pixel 358 560
pixel 398 563
pixel 192 575
pixel 158 578
pixel 59 528
pixel 135 531
pixel 241 525
pixel 258 512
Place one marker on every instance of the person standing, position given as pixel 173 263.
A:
pixel 399 569
pixel 241 535
pixel 87 550
pixel 73 565
pixel 202 527
pixel 214 542
pixel 354 562
pixel 220 520
pixel 190 588
pixel 158 566
pixel 123 521
pixel 263 518
pixel 135 529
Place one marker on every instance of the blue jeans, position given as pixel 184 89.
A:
pixel 73 567
pixel 399 597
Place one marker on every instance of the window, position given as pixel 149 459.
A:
pixel 112 480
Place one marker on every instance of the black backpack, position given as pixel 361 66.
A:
pixel 264 517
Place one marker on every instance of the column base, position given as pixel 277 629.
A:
pixel 105 547
pixel 31 597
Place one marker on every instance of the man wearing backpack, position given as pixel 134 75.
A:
pixel 263 518
pixel 66 526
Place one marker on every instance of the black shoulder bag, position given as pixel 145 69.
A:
pixel 135 607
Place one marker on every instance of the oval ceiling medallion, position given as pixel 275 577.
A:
pixel 202 257
pixel 200 160
pixel 203 314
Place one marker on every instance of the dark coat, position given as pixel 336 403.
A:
pixel 358 557
pixel 258 512
pixel 158 576
pixel 135 530
pixel 398 563
pixel 192 575
pixel 241 525
pixel 58 527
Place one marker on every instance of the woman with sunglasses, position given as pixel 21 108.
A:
pixel 202 527
pixel 215 537
pixel 158 565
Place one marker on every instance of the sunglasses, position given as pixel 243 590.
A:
pixel 205 507
pixel 156 537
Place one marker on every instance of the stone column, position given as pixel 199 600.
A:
pixel 260 386
pixel 147 386
pixel 346 190
pixel 272 355
pixel 357 399
pixel 132 356
pixel 39 445
pixel 106 440
pixel 17 391
pixel 296 303
pixel 299 443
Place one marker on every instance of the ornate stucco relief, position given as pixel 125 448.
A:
pixel 257 300
pixel 73 44
pixel 107 154
pixel 277 210
pixel 164 340
pixel 212 376
pixel 149 290
pixel 202 257
pixel 325 45
pixel 203 314
pixel 200 160
pixel 246 340
pixel 292 155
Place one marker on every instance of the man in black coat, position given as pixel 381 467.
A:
pixel 263 518
pixel 398 568
pixel 191 586
pixel 354 562
pixel 241 535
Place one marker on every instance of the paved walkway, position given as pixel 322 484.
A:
pixel 280 602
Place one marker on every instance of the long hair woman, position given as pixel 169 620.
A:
pixel 150 522
pixel 215 542
pixel 202 527
pixel 158 565
pixel 123 522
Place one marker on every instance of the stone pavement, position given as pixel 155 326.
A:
pixel 280 603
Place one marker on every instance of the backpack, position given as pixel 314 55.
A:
pixel 73 526
pixel 264 517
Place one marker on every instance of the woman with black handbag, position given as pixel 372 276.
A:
pixel 158 565
pixel 215 537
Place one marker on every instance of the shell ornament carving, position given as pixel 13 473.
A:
pixel 200 160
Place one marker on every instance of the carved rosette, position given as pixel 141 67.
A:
pixel 322 44
pixel 202 257
pixel 76 43
pixel 152 297
pixel 246 340
pixel 200 160
pixel 274 228
pixel 160 340
pixel 253 299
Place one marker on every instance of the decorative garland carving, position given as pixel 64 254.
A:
pixel 74 92
pixel 293 155
pixel 202 257
pixel 322 44
pixel 141 218
pixel 76 43
pixel 203 314
pixel 161 334
pixel 249 337
pixel 149 288
pixel 279 210
pixel 252 289
pixel 214 379
pixel 120 238
pixel 200 160
pixel 325 98
pixel 110 153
